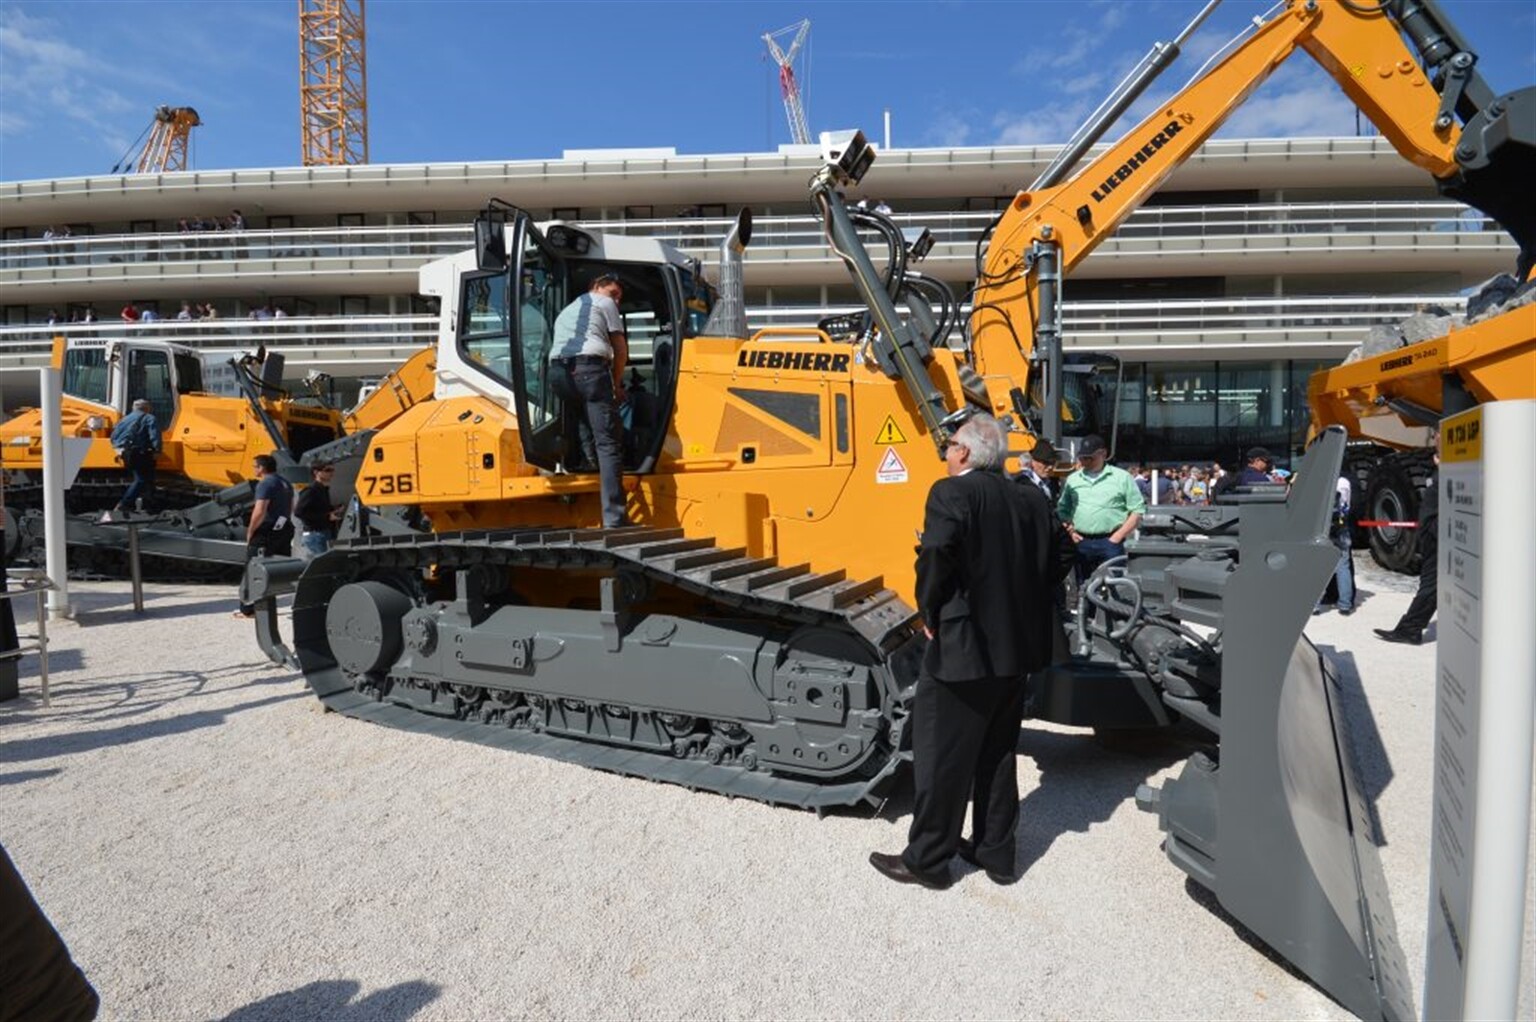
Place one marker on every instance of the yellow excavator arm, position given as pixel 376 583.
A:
pixel 1047 231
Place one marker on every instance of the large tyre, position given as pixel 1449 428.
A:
pixel 1360 463
pixel 1393 495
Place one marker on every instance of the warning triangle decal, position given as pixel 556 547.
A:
pixel 892 469
pixel 890 433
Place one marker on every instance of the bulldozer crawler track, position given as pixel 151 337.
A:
pixel 95 490
pixel 756 587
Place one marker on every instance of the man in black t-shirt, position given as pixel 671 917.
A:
pixel 270 532
pixel 314 511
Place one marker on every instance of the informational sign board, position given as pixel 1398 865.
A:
pixel 1485 712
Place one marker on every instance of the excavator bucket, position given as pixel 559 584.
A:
pixel 1275 824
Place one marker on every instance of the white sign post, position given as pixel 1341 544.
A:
pixel 1485 713
pixel 55 548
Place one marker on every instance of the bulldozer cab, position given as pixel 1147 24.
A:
pixel 1090 398
pixel 114 374
pixel 506 331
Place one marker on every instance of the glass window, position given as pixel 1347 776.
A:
pixel 85 374
pixel 189 374
pixel 483 331
pixel 1251 409
pixel 1180 409
pixel 149 377
pixel 539 302
pixel 698 300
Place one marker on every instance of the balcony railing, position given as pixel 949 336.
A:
pixel 367 345
pixel 81 258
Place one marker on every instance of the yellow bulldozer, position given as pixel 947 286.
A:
pixel 215 412
pixel 752 632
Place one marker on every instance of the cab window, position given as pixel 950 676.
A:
pixel 483 333
pixel 149 377
pixel 189 374
pixel 85 374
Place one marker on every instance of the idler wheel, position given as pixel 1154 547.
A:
pixel 362 624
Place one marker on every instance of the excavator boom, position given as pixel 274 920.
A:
pixel 1414 91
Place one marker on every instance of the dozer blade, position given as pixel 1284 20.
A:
pixel 1277 826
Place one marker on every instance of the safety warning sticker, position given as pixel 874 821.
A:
pixel 892 469
pixel 890 433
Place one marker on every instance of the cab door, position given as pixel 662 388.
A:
pixel 149 377
pixel 537 289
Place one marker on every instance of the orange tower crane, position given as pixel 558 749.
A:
pixel 166 147
pixel 333 82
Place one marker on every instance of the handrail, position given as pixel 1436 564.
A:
pixel 298 247
pixel 330 338
pixel 769 332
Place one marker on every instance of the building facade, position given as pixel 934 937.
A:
pixel 1256 263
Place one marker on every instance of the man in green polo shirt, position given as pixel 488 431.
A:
pixel 1100 506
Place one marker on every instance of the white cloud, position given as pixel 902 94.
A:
pixel 1301 112
pixel 1113 17
pixel 32 54
pixel 59 84
pixel 1044 126
pixel 1084 82
pixel 948 129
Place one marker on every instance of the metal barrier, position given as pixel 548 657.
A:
pixel 32 583
pixel 375 343
pixel 371 248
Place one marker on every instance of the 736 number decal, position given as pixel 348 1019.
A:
pixel 389 484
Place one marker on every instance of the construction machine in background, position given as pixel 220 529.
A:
pixel 753 633
pixel 215 411
pixel 1392 390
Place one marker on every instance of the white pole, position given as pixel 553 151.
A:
pixel 51 383
pixel 887 129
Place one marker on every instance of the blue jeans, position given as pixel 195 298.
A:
pixel 1093 552
pixel 316 543
pixel 595 414
pixel 142 465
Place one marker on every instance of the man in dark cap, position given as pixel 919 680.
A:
pixel 1100 506
pixel 1037 467
pixel 1257 469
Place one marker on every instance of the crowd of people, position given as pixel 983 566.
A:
pixel 235 221
pixel 133 312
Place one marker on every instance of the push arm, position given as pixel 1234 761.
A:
pixel 406 385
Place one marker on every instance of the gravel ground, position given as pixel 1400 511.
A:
pixel 211 844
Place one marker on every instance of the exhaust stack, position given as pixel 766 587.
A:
pixel 729 316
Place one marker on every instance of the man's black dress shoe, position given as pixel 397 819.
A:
pixel 1394 635
pixel 893 867
pixel 967 852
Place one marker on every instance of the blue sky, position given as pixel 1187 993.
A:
pixel 487 81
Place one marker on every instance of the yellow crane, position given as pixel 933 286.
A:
pixel 333 82
pixel 165 142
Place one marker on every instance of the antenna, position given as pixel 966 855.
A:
pixel 794 109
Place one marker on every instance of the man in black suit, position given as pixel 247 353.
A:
pixel 990 555
pixel 1410 627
